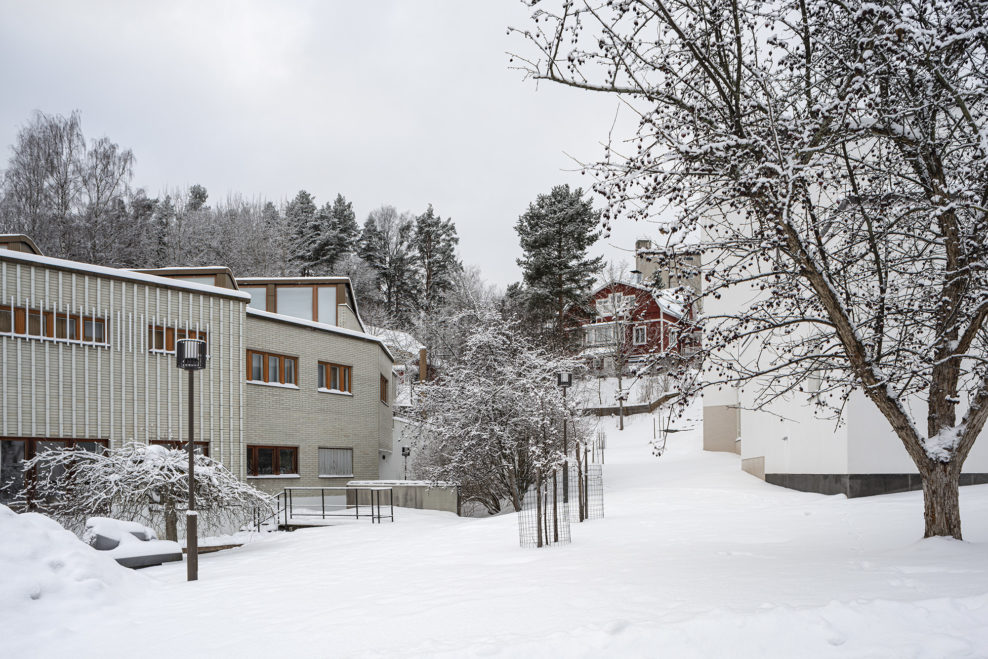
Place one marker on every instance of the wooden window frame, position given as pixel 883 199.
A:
pixel 170 335
pixel 385 390
pixel 346 374
pixel 265 356
pixel 49 329
pixel 31 447
pixel 251 459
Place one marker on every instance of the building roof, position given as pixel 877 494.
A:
pixel 119 273
pixel 193 271
pixel 18 242
pixel 663 298
pixel 334 329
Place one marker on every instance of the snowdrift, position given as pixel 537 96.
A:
pixel 48 570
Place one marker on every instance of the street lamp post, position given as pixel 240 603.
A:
pixel 191 357
pixel 564 379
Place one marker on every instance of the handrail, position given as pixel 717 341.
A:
pixel 285 504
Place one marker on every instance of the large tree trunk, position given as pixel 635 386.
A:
pixel 171 522
pixel 941 498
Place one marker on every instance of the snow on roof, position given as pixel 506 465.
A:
pixel 397 339
pixel 321 326
pixel 119 273
pixel 665 297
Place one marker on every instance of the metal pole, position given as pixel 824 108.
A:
pixel 191 518
pixel 555 509
pixel 565 456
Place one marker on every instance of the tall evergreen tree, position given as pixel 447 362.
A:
pixel 161 232
pixel 555 232
pixel 385 245
pixel 338 234
pixel 434 242
pixel 300 215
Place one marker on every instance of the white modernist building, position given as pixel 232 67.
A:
pixel 786 443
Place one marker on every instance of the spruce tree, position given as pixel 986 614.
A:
pixel 434 242
pixel 555 232
pixel 338 234
pixel 301 218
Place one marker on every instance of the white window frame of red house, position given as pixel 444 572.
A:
pixel 644 334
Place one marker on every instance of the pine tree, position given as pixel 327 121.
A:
pixel 434 242
pixel 161 230
pixel 300 215
pixel 385 245
pixel 555 232
pixel 338 234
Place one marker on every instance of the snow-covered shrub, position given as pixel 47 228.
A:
pixel 145 484
pixel 494 419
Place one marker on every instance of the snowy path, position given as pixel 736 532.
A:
pixel 694 559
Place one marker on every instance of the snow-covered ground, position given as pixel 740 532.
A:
pixel 694 559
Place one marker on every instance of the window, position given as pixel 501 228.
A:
pixel 641 335
pixel 335 462
pixel 384 389
pixel 272 460
pixel 15 450
pixel 334 377
pixel 37 323
pixel 162 339
pixel 202 448
pixel 271 368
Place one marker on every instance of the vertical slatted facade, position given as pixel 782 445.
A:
pixel 122 391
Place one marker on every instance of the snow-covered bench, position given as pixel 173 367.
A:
pixel 129 543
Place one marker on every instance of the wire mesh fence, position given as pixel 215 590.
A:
pixel 544 519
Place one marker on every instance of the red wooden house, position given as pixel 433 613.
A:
pixel 625 322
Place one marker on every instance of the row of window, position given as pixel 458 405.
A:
pixel 271 368
pixel 52 325
pixel 162 339
pixel 283 461
pixel 605 335
pixel 75 327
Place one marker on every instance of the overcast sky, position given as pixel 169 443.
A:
pixel 403 103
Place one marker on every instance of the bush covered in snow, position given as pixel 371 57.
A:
pixel 145 484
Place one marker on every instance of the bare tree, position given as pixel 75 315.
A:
pixel 835 154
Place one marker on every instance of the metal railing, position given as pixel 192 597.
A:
pixel 296 504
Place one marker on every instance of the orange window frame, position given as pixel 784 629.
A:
pixel 282 362
pixel 345 376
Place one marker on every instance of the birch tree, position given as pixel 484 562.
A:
pixel 835 154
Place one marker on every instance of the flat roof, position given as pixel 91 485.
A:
pixel 119 273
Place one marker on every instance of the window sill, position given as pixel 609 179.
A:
pixel 338 392
pixel 340 476
pixel 273 384
pixel 270 476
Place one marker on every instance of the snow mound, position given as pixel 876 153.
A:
pixel 48 569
